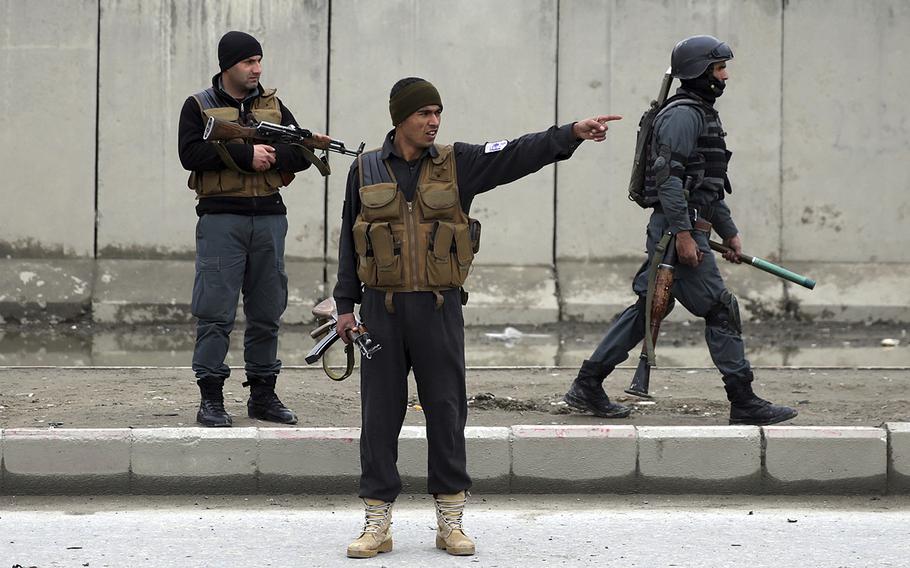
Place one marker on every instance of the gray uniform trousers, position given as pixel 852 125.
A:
pixel 700 289
pixel 234 254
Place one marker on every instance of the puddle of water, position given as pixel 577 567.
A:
pixel 560 345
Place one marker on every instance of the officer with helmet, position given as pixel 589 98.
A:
pixel 686 181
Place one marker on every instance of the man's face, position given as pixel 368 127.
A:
pixel 720 71
pixel 420 129
pixel 245 74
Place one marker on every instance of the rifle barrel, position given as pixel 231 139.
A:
pixel 768 267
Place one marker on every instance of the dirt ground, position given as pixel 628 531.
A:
pixel 167 397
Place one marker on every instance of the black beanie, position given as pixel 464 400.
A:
pixel 236 46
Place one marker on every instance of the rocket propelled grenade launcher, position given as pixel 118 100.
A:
pixel 768 267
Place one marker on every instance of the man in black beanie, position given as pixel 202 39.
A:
pixel 405 251
pixel 240 232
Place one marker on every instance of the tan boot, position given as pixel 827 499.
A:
pixel 450 534
pixel 377 535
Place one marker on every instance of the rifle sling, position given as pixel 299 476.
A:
pixel 228 160
pixel 659 252
pixel 312 158
pixel 349 351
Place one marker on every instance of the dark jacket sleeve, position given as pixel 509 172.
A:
pixel 348 287
pixel 480 171
pixel 722 220
pixel 197 155
pixel 287 157
pixel 678 130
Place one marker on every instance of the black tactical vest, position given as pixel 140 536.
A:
pixel 705 170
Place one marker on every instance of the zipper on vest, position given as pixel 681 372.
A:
pixel 412 228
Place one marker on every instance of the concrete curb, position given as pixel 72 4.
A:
pixel 520 459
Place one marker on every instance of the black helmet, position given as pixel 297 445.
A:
pixel 692 56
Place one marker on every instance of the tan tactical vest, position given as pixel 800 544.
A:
pixel 234 181
pixel 426 244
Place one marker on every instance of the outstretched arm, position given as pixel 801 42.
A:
pixel 482 167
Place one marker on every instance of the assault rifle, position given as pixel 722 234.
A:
pixel 326 313
pixel 221 130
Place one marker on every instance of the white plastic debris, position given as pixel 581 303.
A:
pixel 512 334
pixel 889 342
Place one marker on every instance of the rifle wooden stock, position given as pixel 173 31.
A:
pixel 221 130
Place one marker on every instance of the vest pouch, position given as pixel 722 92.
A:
pixel 442 265
pixel 464 249
pixel 267 115
pixel 386 254
pixel 366 264
pixel 438 201
pixel 230 180
pixel 380 202
pixel 274 179
pixel 206 183
pixel 229 114
pixel 474 232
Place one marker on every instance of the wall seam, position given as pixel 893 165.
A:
pixel 325 181
pixel 780 157
pixel 560 302
pixel 97 125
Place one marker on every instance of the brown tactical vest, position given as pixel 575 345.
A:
pixel 407 246
pixel 233 181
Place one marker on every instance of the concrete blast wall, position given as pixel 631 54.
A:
pixel 818 125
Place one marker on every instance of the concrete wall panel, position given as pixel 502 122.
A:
pixel 846 131
pixel 499 86
pixel 616 69
pixel 47 143
pixel 154 54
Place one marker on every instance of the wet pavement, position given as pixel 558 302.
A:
pixel 769 344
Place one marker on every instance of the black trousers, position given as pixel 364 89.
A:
pixel 430 341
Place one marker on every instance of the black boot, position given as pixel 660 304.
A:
pixel 211 408
pixel 747 408
pixel 587 392
pixel 264 404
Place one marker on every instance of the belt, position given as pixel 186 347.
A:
pixel 702 225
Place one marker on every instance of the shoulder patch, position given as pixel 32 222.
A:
pixel 495 146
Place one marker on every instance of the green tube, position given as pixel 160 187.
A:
pixel 768 267
pixel 781 272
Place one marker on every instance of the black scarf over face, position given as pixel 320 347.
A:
pixel 705 86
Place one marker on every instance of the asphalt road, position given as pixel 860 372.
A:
pixel 526 531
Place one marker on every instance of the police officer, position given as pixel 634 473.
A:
pixel 240 232
pixel 687 181
pixel 406 247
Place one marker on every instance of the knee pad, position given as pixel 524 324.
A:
pixel 725 313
